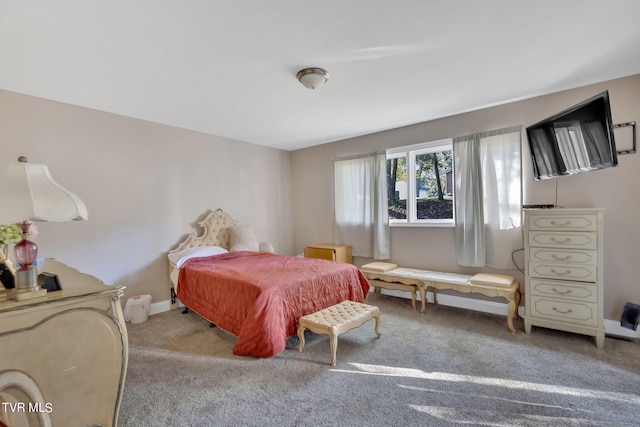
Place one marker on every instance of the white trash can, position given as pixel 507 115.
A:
pixel 137 309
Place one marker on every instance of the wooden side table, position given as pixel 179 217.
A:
pixel 339 253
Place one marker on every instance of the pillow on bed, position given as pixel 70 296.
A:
pixel 180 257
pixel 243 239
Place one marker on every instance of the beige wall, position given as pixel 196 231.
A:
pixel 145 186
pixel 433 248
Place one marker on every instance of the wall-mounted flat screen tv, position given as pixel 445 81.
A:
pixel 578 139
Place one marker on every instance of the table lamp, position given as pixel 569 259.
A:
pixel 29 193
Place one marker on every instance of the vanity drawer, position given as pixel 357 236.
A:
pixel 564 256
pixel 577 222
pixel 574 312
pixel 582 272
pixel 576 240
pixel 564 290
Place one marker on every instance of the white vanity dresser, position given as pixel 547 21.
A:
pixel 564 271
pixel 63 357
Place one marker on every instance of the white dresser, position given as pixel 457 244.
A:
pixel 63 357
pixel 563 272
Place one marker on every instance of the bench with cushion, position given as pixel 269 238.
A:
pixel 390 276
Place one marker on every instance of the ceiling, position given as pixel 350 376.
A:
pixel 229 68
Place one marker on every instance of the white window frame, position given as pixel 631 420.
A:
pixel 411 151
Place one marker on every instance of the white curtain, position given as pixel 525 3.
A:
pixel 488 198
pixel 361 211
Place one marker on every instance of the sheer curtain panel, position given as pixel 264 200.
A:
pixel 488 198
pixel 361 215
pixel 468 212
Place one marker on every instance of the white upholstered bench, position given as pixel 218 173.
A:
pixel 336 320
pixel 390 276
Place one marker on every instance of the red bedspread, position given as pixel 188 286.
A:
pixel 259 297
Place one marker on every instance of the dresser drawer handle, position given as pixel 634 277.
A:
pixel 565 240
pixel 561 258
pixel 560 273
pixel 563 312
pixel 567 292
pixel 564 224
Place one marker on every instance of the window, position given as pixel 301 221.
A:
pixel 420 184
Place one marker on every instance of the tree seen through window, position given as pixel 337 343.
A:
pixel 429 196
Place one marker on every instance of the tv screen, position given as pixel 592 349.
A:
pixel 578 139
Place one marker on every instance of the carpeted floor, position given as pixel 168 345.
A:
pixel 446 367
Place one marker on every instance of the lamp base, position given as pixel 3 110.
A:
pixel 29 294
pixel 27 279
pixel 27 285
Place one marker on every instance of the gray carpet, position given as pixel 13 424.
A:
pixel 446 367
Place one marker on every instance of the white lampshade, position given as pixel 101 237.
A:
pixel 28 192
pixel 313 78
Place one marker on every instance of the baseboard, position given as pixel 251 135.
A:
pixel 161 307
pixel 611 327
pixel 493 307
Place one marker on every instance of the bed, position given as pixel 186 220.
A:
pixel 244 288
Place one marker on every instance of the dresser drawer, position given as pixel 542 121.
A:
pixel 576 312
pixel 563 256
pixel 564 290
pixel 582 272
pixel 576 240
pixel 560 222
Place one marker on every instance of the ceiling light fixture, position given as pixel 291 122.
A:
pixel 313 78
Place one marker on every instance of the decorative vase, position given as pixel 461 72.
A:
pixel 26 253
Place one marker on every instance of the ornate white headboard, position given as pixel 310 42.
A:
pixel 216 231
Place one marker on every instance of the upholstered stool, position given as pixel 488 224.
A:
pixel 336 320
